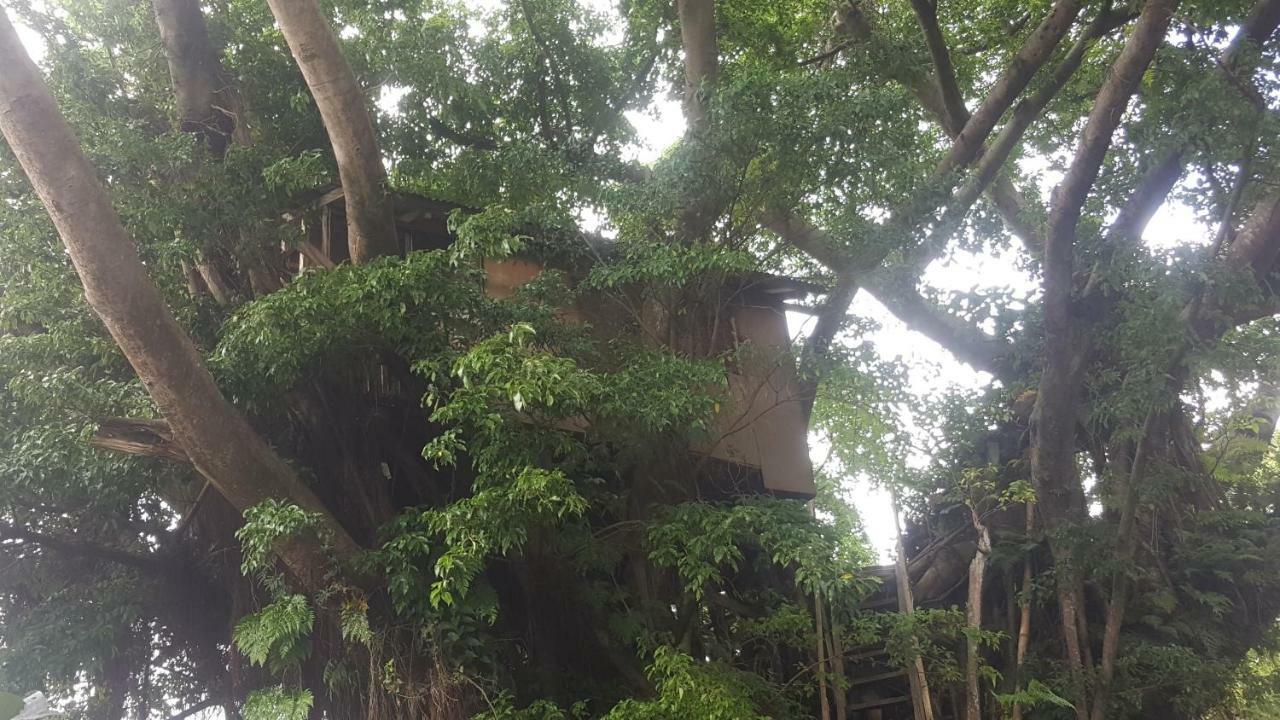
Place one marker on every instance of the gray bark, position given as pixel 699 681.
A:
pixel 371 229
pixel 217 439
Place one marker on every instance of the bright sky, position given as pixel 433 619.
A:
pixel 33 42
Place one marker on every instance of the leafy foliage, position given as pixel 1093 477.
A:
pixel 275 635
pixel 544 541
pixel 278 704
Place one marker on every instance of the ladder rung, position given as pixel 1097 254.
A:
pixel 879 703
pixel 877 678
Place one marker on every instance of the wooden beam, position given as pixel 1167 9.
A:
pixel 880 703
pixel 867 680
pixel 867 655
pixel 136 436
pixel 314 255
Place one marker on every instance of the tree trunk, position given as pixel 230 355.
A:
pixel 973 617
pixel 701 57
pixel 824 702
pixel 708 198
pixel 1126 546
pixel 1024 620
pixel 1067 341
pixel 370 226
pixel 840 687
pixel 218 440
pixel 210 107
pixel 921 703
pixel 207 102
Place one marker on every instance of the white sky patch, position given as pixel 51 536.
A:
pixel 389 97
pixel 1176 225
pixel 657 129
pixel 875 508
pixel 30 40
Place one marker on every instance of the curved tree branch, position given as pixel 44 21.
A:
pixel 1162 177
pixel 831 317
pixel 969 343
pixel 997 155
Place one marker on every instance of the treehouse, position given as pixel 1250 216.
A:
pixel 421 223
pixel 759 440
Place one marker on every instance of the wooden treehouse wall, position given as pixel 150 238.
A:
pixel 760 435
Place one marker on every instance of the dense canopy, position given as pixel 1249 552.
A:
pixel 265 453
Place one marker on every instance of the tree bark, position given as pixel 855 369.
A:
pixel 944 72
pixel 218 440
pixel 841 686
pixel 210 107
pixel 992 159
pixel 831 318
pixel 973 618
pixel 824 702
pixel 371 229
pixel 701 57
pixel 1024 619
pixel 1126 546
pixel 207 102
pixel 1034 52
pixel 921 702
pixel 1067 345
pixel 1160 179
pixel 968 137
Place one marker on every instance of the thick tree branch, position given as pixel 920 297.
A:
pixel 831 317
pixel 856 25
pixel 997 155
pixel 1256 30
pixel 701 57
pixel 807 238
pixel 152 564
pixel 220 443
pixel 210 107
pixel 1125 233
pixel 899 294
pixel 133 436
pixel 969 133
pixel 1255 254
pixel 1108 110
pixel 1146 199
pixel 896 292
pixel 207 104
pixel 1161 178
pixel 944 71
pixel 1033 54
pixel 1257 246
pixel 1054 420
pixel 371 229
pixel 1066 347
